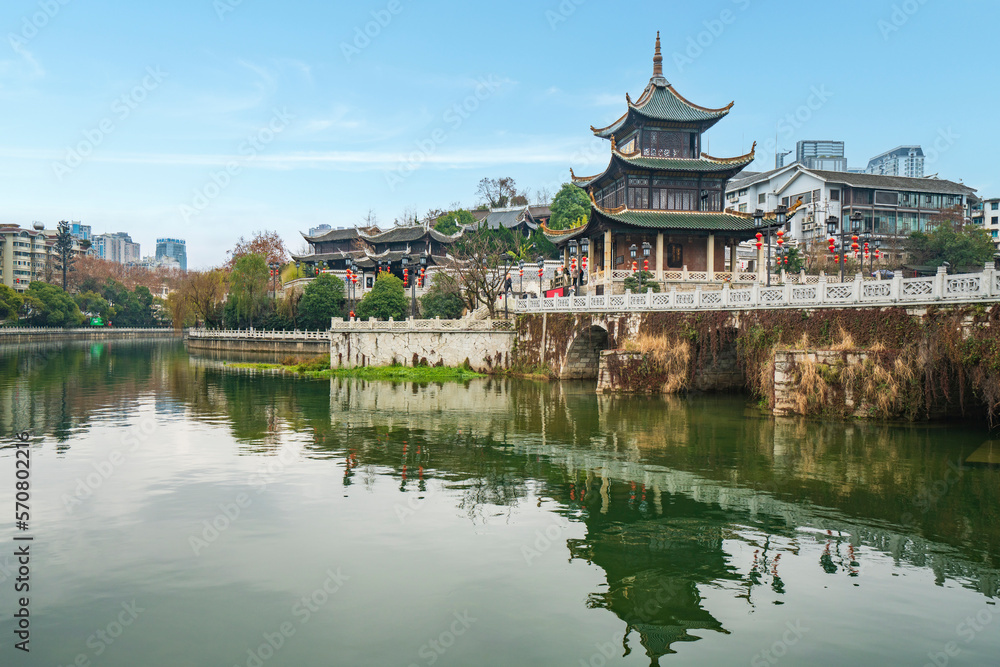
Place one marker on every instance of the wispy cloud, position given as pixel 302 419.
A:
pixel 557 153
pixel 22 68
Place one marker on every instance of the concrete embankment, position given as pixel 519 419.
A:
pixel 38 335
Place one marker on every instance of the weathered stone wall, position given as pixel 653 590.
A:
pixel 485 351
pixel 788 365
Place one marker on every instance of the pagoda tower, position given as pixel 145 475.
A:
pixel 660 192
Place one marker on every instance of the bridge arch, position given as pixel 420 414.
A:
pixel 583 354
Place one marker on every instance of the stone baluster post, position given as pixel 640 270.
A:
pixel 939 280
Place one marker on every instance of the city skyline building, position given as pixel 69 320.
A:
pixel 825 155
pixel 175 248
pixel 116 247
pixel 907 161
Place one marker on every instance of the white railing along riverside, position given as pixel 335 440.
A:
pixel 936 290
pixel 19 331
pixel 411 325
pixel 258 334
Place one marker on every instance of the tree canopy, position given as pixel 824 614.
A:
pixel 267 244
pixel 449 223
pixel 248 285
pixel 10 304
pixel 443 299
pixel 498 192
pixel 322 300
pixel 570 206
pixel 386 299
pixel 962 246
pixel 50 306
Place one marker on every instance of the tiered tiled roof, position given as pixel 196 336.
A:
pixel 705 165
pixel 660 102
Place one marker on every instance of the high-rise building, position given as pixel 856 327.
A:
pixel 80 231
pixel 319 230
pixel 175 248
pixel 117 247
pixel 822 155
pixel 905 161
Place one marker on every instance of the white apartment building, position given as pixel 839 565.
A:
pixel 986 213
pixel 905 161
pixel 27 254
pixel 891 206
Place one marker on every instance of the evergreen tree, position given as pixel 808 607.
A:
pixel 322 300
pixel 387 299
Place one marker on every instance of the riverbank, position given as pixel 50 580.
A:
pixel 15 335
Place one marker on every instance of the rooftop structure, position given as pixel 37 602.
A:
pixel 660 190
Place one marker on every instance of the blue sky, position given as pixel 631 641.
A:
pixel 208 119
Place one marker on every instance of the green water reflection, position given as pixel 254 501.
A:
pixel 576 529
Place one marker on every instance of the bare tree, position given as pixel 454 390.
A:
pixel 480 263
pixel 370 220
pixel 408 217
pixel 497 192
pixel 543 196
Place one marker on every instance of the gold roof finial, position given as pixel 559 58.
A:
pixel 658 58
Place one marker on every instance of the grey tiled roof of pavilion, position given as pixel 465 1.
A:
pixel 509 218
pixel 409 234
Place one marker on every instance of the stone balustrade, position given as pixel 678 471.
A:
pixel 824 293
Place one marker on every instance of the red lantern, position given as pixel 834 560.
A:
pixel 836 259
pixel 781 238
pixel 317 270
pixel 423 276
pixel 635 267
pixel 584 263
pixel 645 265
pixel 406 277
pixel 572 265
pixel 541 272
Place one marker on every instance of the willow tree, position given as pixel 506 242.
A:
pixel 248 285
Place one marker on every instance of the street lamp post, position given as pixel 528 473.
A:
pixel 413 286
pixel 836 231
pixel 520 266
pixel 275 267
pixel 781 217
pixel 646 249
pixel 633 251
pixel 584 259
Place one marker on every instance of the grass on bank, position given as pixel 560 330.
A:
pixel 319 369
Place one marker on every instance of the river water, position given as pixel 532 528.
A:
pixel 183 513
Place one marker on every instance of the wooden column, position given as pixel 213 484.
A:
pixel 710 264
pixel 591 267
pixel 659 257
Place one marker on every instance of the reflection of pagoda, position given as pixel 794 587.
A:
pixel 660 189
pixel 654 564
